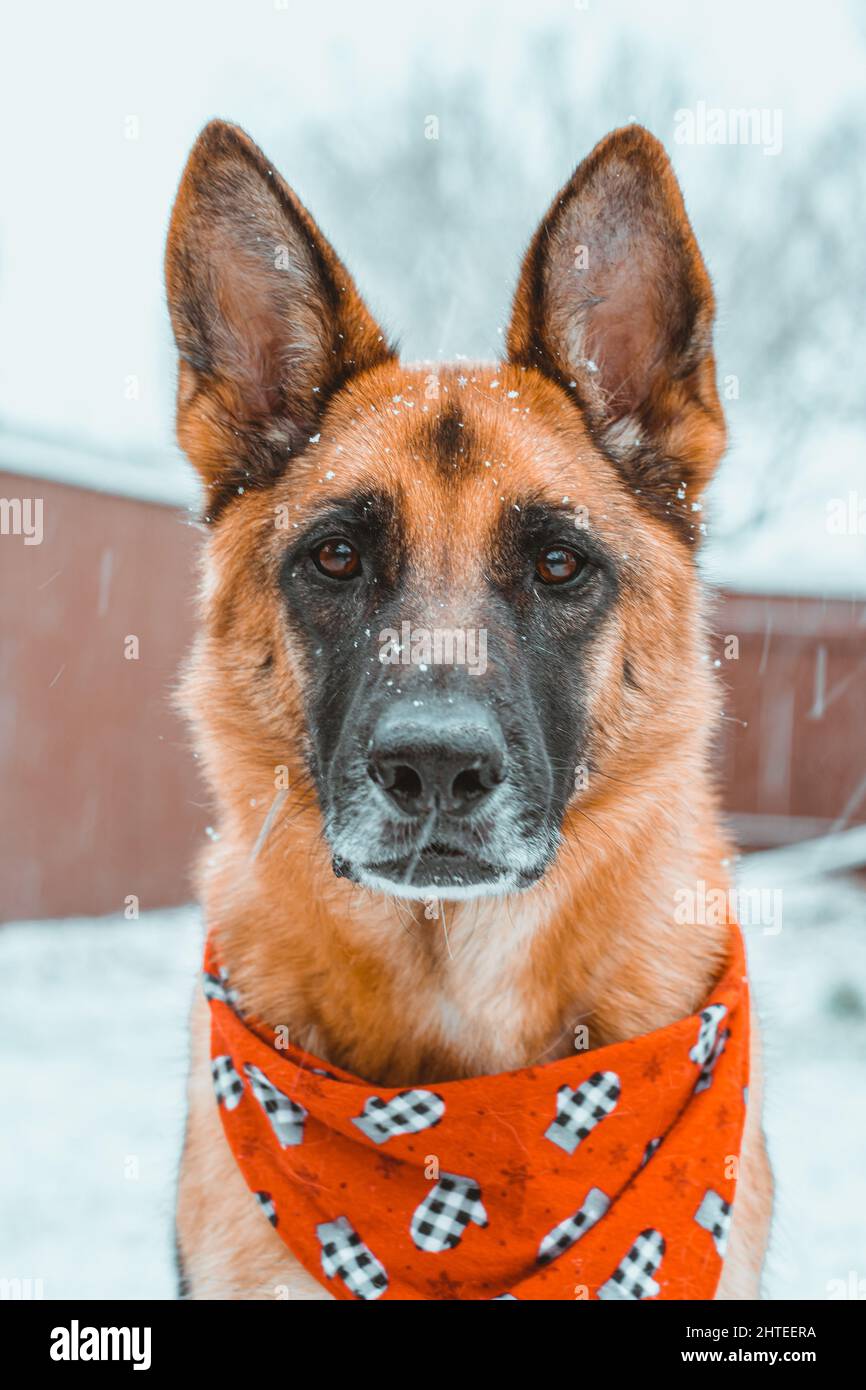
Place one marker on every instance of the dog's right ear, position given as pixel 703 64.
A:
pixel 267 321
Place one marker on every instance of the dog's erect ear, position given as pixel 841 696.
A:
pixel 267 321
pixel 615 303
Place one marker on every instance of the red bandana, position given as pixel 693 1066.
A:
pixel 609 1174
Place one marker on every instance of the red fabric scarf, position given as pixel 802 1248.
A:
pixel 609 1174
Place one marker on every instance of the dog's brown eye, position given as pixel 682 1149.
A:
pixel 557 565
pixel 338 559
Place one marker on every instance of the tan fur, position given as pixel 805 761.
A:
pixel 365 980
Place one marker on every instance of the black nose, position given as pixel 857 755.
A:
pixel 450 753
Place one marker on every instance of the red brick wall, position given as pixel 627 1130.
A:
pixel 793 756
pixel 98 789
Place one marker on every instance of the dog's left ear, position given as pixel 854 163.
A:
pixel 615 304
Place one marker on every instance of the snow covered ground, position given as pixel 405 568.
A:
pixel 93 1055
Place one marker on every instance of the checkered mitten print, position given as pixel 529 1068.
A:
pixel 705 1046
pixel 578 1112
pixel 651 1148
pixel 714 1214
pixel 266 1203
pixel 706 1075
pixel 632 1278
pixel 218 987
pixel 439 1221
pixel 569 1231
pixel 286 1116
pixel 710 1044
pixel 406 1113
pixel 226 1083
pixel 345 1256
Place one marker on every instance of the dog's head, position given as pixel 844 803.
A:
pixel 458 602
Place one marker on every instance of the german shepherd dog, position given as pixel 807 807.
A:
pixel 550 800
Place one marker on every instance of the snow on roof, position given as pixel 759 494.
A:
pixel 165 478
